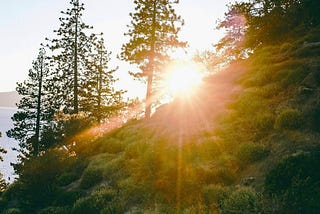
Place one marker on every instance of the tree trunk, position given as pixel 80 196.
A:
pixel 37 134
pixel 75 73
pixel 152 67
pixel 100 88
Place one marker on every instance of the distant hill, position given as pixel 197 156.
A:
pixel 9 99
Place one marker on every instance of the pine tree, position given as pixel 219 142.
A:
pixel 100 99
pixel 232 45
pixel 2 150
pixel 3 183
pixel 70 51
pixel 35 111
pixel 153 32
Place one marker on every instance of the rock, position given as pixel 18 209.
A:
pixel 248 181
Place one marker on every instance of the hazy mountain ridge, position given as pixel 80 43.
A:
pixel 9 99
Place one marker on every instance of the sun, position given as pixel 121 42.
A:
pixel 182 79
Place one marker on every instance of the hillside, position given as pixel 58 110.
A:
pixel 246 142
pixel 228 147
pixel 9 99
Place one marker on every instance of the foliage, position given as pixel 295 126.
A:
pixel 215 195
pixel 153 33
pixel 235 25
pixel 37 180
pixel 12 211
pixel 259 23
pixel 70 57
pixel 35 110
pixel 55 210
pixel 3 184
pixel 264 122
pixel 100 201
pixel 295 180
pixel 2 150
pixel 149 166
pixel 90 177
pixel 251 152
pixel 289 119
pixel 242 200
pixel 100 99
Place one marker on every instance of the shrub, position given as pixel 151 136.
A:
pixel 90 177
pixel 12 211
pixel 269 90
pixel 223 175
pixel 113 146
pixel 67 198
pixel 289 119
pixel 249 103
pixel 54 210
pixel 294 76
pixel 250 152
pixel 244 200
pixel 215 194
pixel 66 178
pixel 101 199
pixel 264 121
pixel 295 181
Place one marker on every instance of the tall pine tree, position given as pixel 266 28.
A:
pixel 34 109
pixel 70 50
pixel 153 32
pixel 100 99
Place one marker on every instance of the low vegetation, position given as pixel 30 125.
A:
pixel 247 143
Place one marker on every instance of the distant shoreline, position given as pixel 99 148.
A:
pixel 9 99
pixel 8 107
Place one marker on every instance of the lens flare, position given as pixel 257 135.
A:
pixel 182 79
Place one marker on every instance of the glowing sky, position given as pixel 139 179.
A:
pixel 24 24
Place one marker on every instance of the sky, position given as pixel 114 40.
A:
pixel 24 25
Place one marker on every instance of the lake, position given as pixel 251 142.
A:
pixel 7 143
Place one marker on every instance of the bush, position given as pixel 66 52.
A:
pixel 67 178
pixel 55 210
pixel 90 177
pixel 244 200
pixel 112 146
pixel 250 152
pixel 264 122
pixel 101 199
pixel 270 90
pixel 289 119
pixel 294 76
pixel 215 194
pixel 295 181
pixel 12 211
pixel 67 198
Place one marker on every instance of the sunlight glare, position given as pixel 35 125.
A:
pixel 182 79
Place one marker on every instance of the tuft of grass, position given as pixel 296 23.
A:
pixel 250 152
pixel 243 200
pixel 90 177
pixel 289 119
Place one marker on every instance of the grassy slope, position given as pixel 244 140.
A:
pixel 200 154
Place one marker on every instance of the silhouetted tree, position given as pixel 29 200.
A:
pixel 35 110
pixel 153 32
pixel 70 52
pixel 235 25
pixel 100 99
pixel 267 22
